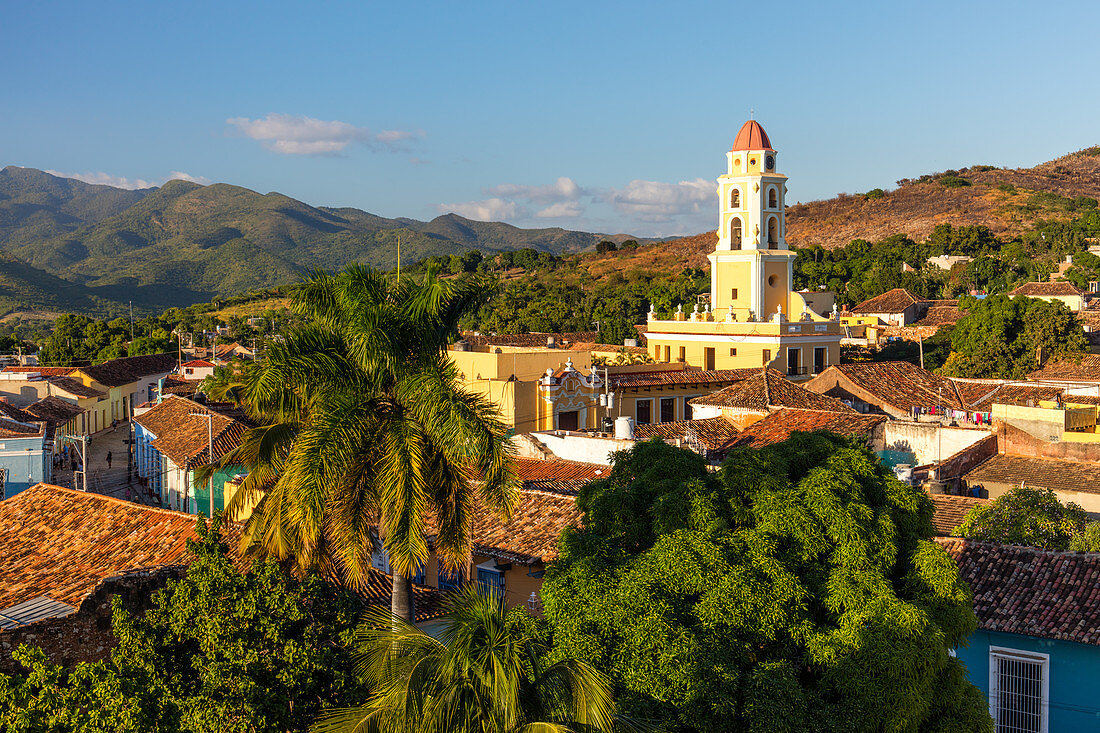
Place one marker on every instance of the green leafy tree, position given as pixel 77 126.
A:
pixel 364 423
pixel 1027 516
pixel 1087 540
pixel 1002 337
pixel 795 590
pixel 219 651
pixel 486 674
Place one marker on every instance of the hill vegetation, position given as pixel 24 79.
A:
pixel 183 243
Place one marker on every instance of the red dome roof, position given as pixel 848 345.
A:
pixel 751 136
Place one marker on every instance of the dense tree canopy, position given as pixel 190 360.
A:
pixel 1028 516
pixel 220 651
pixel 1003 337
pixel 794 590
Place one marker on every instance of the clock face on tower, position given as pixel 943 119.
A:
pixel 769 162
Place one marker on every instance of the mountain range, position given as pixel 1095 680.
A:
pixel 70 245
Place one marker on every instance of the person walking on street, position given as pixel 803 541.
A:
pixel 108 459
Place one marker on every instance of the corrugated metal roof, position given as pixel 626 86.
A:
pixel 36 609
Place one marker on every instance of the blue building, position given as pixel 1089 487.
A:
pixel 1036 653
pixel 175 437
pixel 24 451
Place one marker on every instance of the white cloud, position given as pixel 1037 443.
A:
pixel 658 201
pixel 106 179
pixel 561 210
pixel 563 189
pixel 300 135
pixel 493 209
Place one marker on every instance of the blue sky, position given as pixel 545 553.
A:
pixel 586 115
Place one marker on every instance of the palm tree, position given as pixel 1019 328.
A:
pixel 485 675
pixel 365 427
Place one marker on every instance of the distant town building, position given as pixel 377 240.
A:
pixel 946 262
pixel 1065 292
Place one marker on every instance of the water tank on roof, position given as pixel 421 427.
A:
pixel 624 428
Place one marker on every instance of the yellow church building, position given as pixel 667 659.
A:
pixel 754 318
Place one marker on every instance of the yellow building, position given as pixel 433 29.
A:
pixel 754 318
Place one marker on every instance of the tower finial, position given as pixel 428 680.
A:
pixel 752 112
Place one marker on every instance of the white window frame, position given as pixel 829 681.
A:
pixel 1043 660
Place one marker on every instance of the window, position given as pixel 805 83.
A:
pixel 773 199
pixel 449 580
pixel 735 232
pixel 821 358
pixel 687 408
pixel 643 414
pixel 683 353
pixel 767 356
pixel 769 162
pixel 708 355
pixel 490 580
pixel 773 233
pixel 794 361
pixel 668 409
pixel 733 352
pixel 3 483
pixel 1018 690
pixel 735 198
pixel 733 293
pixel 668 354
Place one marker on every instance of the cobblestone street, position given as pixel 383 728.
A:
pixel 115 480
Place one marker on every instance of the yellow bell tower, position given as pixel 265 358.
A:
pixel 751 268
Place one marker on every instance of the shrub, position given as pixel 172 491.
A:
pixel 874 193
pixel 952 181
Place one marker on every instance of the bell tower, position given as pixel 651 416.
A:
pixel 751 267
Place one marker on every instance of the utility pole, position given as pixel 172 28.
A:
pixel 920 340
pixel 131 321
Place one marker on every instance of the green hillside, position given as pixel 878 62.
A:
pixel 183 243
pixel 23 287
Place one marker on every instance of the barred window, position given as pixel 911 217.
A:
pixel 1018 690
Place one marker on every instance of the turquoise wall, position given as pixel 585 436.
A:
pixel 1074 676
pixel 25 461
pixel 201 493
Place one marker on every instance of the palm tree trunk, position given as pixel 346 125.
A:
pixel 401 600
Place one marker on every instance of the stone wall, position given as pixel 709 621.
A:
pixel 1019 442
pixel 86 636
pixel 953 467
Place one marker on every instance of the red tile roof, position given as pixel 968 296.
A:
pixel 768 389
pixel 1042 473
pixel 75 387
pixel 712 433
pixel 11 412
pixel 684 376
pixel 892 301
pixel 1011 394
pixel 751 136
pixel 1037 290
pixel 900 384
pixel 60 543
pixel 778 426
pixel 941 315
pixel 117 372
pixel 1022 590
pixel 55 410
pixel 183 434
pixel 43 370
pixel 199 363
pixel 950 511
pixel 13 430
pixel 555 469
pixel 1084 368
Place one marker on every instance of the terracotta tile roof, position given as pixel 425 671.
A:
pixel 199 363
pixel 179 386
pixel 1043 473
pixel 711 433
pixel 9 411
pixel 44 371
pixel 941 315
pixel 685 376
pixel 117 372
pixel 184 437
pixel 902 385
pixel 1080 399
pixel 1036 290
pixel 535 470
pixel 76 387
pixel 60 543
pixel 1012 394
pixel 1022 590
pixel 13 429
pixel 1084 368
pixel 55 410
pixel 767 389
pixel 778 426
pixel 892 301
pixel 950 511
pixel 531 535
